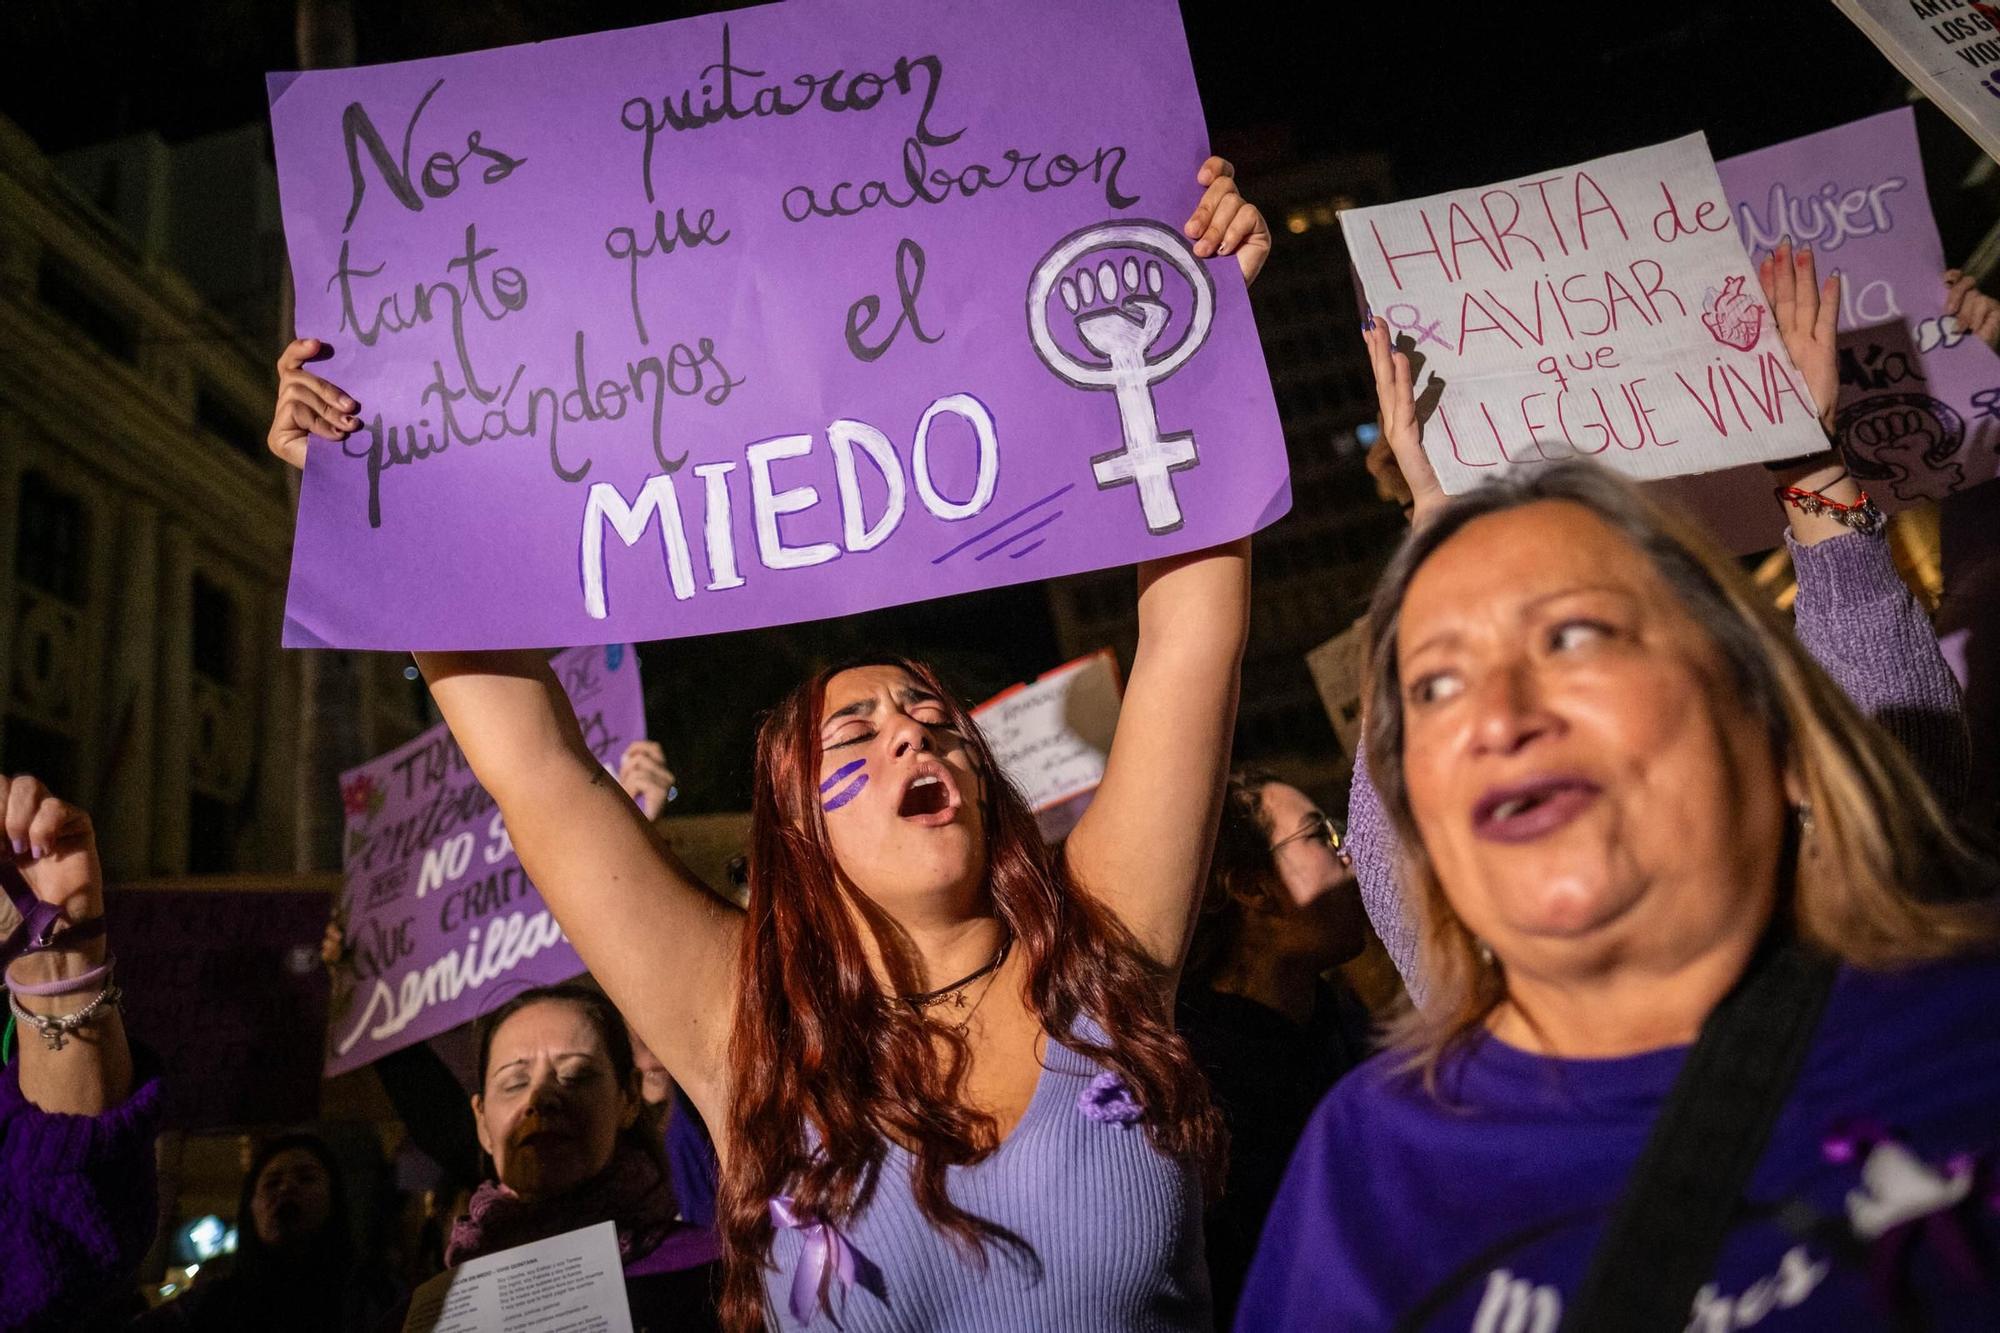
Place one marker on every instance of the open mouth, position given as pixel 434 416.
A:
pixel 931 798
pixel 1529 810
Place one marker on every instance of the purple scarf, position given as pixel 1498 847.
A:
pixel 633 1192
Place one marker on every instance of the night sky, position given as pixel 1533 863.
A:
pixel 1457 93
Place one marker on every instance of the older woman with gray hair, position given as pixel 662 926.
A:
pixel 1710 1036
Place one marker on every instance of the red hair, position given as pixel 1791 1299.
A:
pixel 816 1049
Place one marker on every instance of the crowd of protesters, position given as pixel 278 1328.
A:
pixel 1702 1011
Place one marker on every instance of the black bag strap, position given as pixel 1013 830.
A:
pixel 1662 1240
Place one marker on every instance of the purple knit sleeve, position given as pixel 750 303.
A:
pixel 1856 619
pixel 78 1200
pixel 1371 846
pixel 1860 623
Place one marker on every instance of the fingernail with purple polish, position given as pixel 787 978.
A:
pixel 20 848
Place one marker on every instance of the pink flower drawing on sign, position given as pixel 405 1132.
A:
pixel 1733 317
pixel 361 796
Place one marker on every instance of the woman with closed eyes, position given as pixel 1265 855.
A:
pixel 940 1058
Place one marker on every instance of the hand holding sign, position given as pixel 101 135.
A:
pixel 1602 310
pixel 697 356
pixel 55 849
pixel 1973 310
pixel 1401 448
pixel 1224 222
pixel 307 404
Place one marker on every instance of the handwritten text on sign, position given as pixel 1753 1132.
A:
pixel 1948 48
pixel 437 909
pixel 1053 736
pixel 1919 396
pixel 1605 310
pixel 760 317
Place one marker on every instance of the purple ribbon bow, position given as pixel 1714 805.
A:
pixel 827 1253
pixel 37 929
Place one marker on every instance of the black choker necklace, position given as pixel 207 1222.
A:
pixel 957 988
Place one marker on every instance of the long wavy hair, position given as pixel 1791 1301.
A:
pixel 1883 880
pixel 827 1069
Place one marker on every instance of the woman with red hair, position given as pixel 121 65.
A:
pixel 941 1057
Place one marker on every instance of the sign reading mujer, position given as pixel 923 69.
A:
pixel 1605 309
pixel 759 317
pixel 1919 394
pixel 440 921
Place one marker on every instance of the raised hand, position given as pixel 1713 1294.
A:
pixel 307 405
pixel 1397 460
pixel 55 848
pixel 643 773
pixel 1225 223
pixel 1805 312
pixel 1976 312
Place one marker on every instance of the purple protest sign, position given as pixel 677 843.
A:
pixel 763 316
pixel 440 920
pixel 1919 413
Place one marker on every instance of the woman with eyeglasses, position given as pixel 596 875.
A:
pixel 1271 1023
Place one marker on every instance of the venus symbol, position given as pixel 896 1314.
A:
pixel 1111 283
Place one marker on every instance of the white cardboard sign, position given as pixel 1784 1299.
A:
pixel 1605 309
pixel 1948 48
pixel 1053 735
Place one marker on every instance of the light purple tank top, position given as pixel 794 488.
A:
pixel 1115 1227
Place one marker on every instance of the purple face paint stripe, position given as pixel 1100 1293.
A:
pixel 839 774
pixel 845 794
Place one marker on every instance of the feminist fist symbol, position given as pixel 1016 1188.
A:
pixel 1119 311
pixel 1732 318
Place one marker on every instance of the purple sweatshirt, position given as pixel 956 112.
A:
pixel 78 1200
pixel 1479 1212
pixel 1859 623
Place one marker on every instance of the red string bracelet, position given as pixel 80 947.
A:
pixel 1862 515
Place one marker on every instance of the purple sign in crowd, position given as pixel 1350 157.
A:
pixel 440 920
pixel 758 317
pixel 1919 413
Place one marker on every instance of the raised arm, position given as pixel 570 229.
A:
pixel 85 1070
pixel 1854 614
pixel 662 946
pixel 77 1119
pixel 1144 844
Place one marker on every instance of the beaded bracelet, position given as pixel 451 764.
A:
pixel 1862 515
pixel 56 1028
